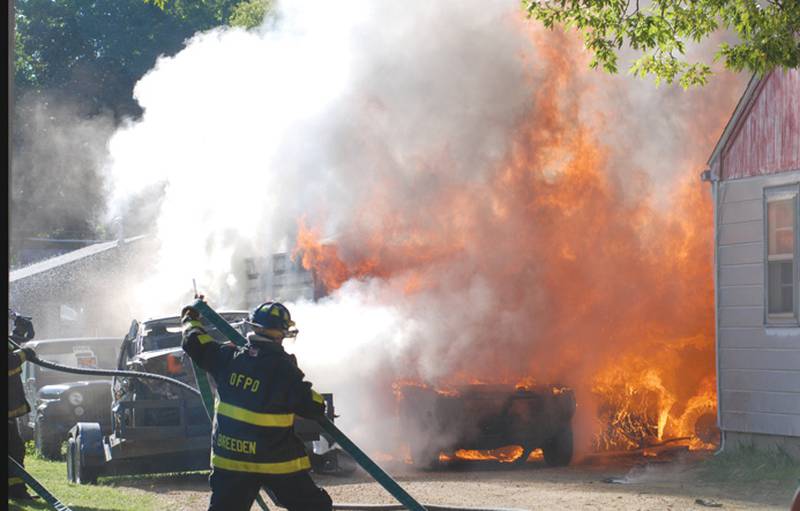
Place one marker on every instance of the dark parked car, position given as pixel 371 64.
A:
pixel 59 400
pixel 487 417
pixel 160 427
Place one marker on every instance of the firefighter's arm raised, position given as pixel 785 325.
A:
pixel 198 344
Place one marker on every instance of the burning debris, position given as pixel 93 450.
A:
pixel 481 422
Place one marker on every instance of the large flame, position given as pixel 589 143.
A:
pixel 594 282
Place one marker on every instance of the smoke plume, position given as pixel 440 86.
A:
pixel 56 176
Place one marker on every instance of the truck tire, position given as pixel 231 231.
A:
pixel 558 450
pixel 84 474
pixel 86 452
pixel 25 431
pixel 71 461
pixel 47 442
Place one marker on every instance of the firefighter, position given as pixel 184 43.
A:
pixel 260 389
pixel 17 405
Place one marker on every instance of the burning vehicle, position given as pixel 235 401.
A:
pixel 62 399
pixel 160 427
pixel 505 423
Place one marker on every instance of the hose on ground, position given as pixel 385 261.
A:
pixel 106 372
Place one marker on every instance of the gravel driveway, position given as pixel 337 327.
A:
pixel 623 485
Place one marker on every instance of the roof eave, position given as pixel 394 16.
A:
pixel 733 122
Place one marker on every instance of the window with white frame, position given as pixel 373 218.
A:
pixel 781 293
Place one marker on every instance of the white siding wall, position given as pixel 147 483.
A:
pixel 759 365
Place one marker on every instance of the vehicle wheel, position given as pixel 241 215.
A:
pixel 558 450
pixel 47 443
pixel 83 474
pixel 427 461
pixel 334 462
pixel 86 445
pixel 71 460
pixel 25 431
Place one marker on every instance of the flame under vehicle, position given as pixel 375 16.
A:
pixel 158 427
pixel 62 399
pixel 482 418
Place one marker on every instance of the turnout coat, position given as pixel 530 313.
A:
pixel 260 390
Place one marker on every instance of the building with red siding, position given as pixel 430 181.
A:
pixel 754 173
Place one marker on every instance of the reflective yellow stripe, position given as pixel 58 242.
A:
pixel 22 356
pixel 273 420
pixel 12 372
pixel 191 324
pixel 283 467
pixel 204 338
pixel 18 411
pixel 15 480
pixel 317 397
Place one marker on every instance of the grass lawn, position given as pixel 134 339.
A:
pixel 53 476
pixel 750 464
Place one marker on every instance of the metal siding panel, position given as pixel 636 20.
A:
pixel 745 232
pixel 760 379
pixel 739 191
pixel 761 402
pixel 741 254
pixel 740 275
pixel 743 211
pixel 782 360
pixel 741 296
pixel 758 337
pixel 741 316
pixel 768 424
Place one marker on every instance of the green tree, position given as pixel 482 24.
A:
pixel 768 33
pixel 249 13
pixel 76 64
pixel 93 52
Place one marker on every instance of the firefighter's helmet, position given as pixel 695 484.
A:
pixel 272 319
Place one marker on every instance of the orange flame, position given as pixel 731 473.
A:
pixel 507 454
pixel 598 286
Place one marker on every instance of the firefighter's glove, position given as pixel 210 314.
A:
pixel 320 412
pixel 189 313
pixel 318 408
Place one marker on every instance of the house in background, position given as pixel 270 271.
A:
pixel 80 293
pixel 754 172
pixel 34 250
pixel 84 292
pixel 280 277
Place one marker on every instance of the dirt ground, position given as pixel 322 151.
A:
pixel 625 485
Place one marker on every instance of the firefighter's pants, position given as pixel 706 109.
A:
pixel 16 449
pixel 236 491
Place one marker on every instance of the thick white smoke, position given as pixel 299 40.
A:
pixel 250 131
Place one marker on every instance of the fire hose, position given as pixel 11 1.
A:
pixel 105 372
pixel 16 468
pixel 327 425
